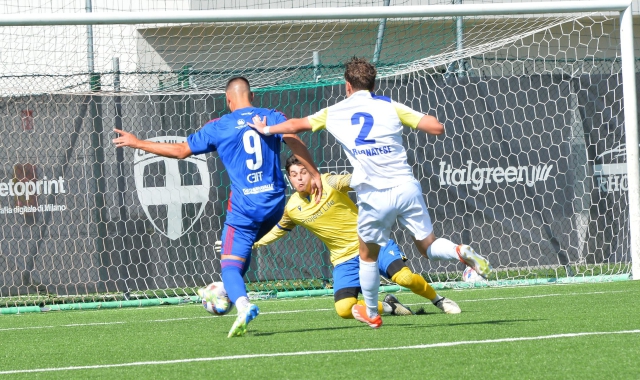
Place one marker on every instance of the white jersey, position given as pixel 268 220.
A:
pixel 369 127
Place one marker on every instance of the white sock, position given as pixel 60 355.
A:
pixel 438 298
pixel 370 284
pixel 443 249
pixel 242 302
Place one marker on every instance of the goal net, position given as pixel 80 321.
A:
pixel 531 170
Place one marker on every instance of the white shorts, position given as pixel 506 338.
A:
pixel 379 209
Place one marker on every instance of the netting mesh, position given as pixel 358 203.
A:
pixel 200 57
pixel 530 170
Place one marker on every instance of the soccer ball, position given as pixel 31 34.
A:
pixel 215 299
pixel 470 275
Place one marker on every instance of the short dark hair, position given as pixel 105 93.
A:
pixel 292 160
pixel 360 74
pixel 245 80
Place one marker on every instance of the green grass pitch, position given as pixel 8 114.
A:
pixel 541 332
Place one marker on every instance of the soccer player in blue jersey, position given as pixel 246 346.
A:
pixel 257 195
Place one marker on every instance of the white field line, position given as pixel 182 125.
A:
pixel 157 320
pixel 69 325
pixel 290 311
pixel 323 352
pixel 543 296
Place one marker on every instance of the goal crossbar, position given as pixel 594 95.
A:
pixel 265 15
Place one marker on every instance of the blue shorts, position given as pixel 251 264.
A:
pixel 346 274
pixel 387 259
pixel 240 232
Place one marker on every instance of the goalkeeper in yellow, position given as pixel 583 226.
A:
pixel 334 221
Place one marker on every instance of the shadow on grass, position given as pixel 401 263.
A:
pixel 492 322
pixel 417 324
pixel 325 329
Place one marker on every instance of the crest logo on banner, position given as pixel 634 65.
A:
pixel 173 195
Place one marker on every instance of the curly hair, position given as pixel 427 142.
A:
pixel 360 74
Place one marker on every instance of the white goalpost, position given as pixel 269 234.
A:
pixel 633 155
pixel 538 169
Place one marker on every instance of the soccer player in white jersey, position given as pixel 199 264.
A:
pixel 369 127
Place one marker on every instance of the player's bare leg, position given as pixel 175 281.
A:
pixel 443 249
pixel 370 284
pixel 424 244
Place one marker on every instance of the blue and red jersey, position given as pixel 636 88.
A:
pixel 251 159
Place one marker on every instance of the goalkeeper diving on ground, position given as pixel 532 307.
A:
pixel 334 221
pixel 370 129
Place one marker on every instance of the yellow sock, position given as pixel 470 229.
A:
pixel 343 307
pixel 405 277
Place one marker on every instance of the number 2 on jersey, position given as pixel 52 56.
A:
pixel 366 127
pixel 252 145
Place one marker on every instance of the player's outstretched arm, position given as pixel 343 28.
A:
pixel 280 230
pixel 290 126
pixel 414 119
pixel 177 150
pixel 302 154
pixel 430 125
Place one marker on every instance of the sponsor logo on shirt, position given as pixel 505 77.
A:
pixel 258 190
pixel 254 177
pixel 319 213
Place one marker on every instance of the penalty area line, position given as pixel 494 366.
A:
pixel 155 320
pixel 323 352
pixel 282 311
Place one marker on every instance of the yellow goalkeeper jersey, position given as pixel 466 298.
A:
pixel 334 220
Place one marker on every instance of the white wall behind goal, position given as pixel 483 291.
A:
pixel 62 50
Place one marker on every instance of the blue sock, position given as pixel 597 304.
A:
pixel 233 282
